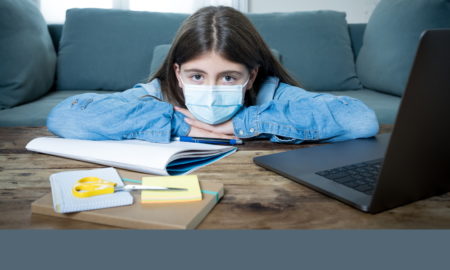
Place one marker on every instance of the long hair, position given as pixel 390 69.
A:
pixel 227 32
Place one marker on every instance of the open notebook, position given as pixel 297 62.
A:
pixel 175 158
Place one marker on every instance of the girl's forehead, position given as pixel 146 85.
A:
pixel 212 62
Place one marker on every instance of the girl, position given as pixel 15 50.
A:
pixel 219 80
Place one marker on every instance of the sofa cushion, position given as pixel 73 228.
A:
pixel 391 39
pixel 34 114
pixel 111 49
pixel 315 46
pixel 384 105
pixel 27 56
pixel 160 52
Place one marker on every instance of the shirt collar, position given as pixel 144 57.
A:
pixel 267 90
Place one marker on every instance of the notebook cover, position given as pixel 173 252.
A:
pixel 186 215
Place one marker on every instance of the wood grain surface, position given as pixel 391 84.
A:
pixel 254 197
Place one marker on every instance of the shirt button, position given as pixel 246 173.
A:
pixel 241 132
pixel 252 130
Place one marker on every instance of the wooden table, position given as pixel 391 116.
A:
pixel 254 197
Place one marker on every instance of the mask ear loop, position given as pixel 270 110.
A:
pixel 246 82
pixel 244 90
pixel 181 79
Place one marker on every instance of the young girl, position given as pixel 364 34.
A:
pixel 219 80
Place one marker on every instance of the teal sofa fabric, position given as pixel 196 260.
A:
pixel 35 113
pixel 110 49
pixel 391 39
pixel 27 56
pixel 315 46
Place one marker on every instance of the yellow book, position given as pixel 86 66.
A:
pixel 190 182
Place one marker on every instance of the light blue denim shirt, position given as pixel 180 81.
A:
pixel 282 113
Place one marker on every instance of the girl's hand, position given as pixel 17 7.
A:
pixel 223 130
pixel 198 132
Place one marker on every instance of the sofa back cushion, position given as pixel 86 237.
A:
pixel 27 56
pixel 110 49
pixel 391 39
pixel 315 47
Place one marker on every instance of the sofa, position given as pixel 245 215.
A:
pixel 106 51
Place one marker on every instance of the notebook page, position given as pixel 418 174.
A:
pixel 125 152
pixel 133 155
pixel 65 202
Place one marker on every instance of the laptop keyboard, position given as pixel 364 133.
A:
pixel 360 176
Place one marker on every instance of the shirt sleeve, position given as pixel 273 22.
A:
pixel 130 114
pixel 295 115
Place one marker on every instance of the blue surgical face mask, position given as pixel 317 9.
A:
pixel 214 104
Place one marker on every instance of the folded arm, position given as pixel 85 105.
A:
pixel 296 115
pixel 125 115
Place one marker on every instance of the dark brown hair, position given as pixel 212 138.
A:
pixel 227 32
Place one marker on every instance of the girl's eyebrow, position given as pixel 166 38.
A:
pixel 231 72
pixel 221 73
pixel 194 70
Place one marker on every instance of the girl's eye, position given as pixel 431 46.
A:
pixel 228 79
pixel 196 77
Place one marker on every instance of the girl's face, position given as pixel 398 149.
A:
pixel 212 69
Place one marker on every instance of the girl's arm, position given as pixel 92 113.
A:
pixel 296 115
pixel 125 115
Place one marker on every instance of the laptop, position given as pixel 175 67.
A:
pixel 388 170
